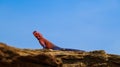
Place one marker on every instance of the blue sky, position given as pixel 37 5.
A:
pixel 80 24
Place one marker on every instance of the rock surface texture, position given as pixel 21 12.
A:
pixel 16 57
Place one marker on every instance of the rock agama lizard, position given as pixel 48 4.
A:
pixel 49 45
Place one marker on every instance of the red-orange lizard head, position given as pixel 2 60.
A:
pixel 37 35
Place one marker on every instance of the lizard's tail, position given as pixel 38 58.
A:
pixel 67 49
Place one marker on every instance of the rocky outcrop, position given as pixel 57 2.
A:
pixel 15 57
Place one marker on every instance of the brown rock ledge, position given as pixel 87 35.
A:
pixel 16 57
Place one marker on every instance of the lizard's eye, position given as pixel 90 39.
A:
pixel 37 36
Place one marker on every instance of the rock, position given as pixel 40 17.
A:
pixel 16 57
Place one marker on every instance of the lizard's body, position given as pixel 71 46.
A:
pixel 48 45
